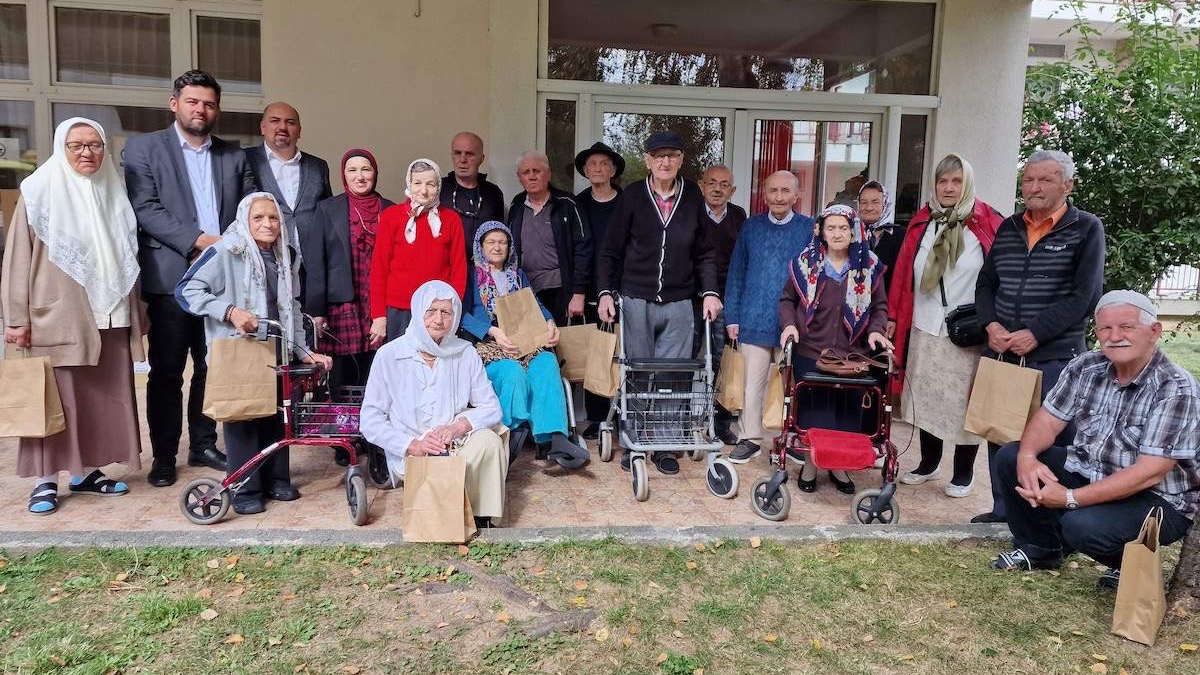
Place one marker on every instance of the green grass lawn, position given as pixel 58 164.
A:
pixel 851 607
pixel 1183 346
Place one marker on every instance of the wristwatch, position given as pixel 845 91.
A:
pixel 1071 503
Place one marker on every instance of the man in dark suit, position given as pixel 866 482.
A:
pixel 298 180
pixel 185 185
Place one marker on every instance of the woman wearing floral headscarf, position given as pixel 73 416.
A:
pixel 833 300
pixel 936 270
pixel 70 293
pixel 530 386
pixel 252 272
pixel 418 241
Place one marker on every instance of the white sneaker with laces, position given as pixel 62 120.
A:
pixel 914 478
pixel 959 491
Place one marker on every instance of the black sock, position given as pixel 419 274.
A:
pixel 931 453
pixel 964 463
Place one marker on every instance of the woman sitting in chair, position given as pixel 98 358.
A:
pixel 530 386
pixel 427 395
pixel 834 300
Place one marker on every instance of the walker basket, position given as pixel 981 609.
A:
pixel 840 450
pixel 327 420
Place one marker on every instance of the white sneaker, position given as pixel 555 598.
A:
pixel 914 478
pixel 958 491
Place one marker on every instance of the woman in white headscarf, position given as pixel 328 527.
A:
pixel 70 293
pixel 428 394
pixel 252 272
pixel 418 241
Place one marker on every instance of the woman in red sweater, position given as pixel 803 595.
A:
pixel 418 241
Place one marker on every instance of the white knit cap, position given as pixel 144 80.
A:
pixel 1124 297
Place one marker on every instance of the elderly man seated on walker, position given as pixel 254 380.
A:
pixel 428 395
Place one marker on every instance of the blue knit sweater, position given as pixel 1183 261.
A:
pixel 757 273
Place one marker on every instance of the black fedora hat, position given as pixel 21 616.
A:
pixel 602 149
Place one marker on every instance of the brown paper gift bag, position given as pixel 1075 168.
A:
pixel 573 345
pixel 603 374
pixel 1003 398
pixel 436 507
pixel 29 403
pixel 772 415
pixel 521 320
pixel 731 380
pixel 241 380
pixel 1141 600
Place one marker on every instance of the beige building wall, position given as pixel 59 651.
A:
pixel 370 73
pixel 982 88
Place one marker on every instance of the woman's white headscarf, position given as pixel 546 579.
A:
pixel 435 220
pixel 256 270
pixel 86 222
pixel 417 337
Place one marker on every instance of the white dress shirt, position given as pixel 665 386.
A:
pixel 198 162
pixel 287 174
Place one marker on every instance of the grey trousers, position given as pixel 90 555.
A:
pixel 656 331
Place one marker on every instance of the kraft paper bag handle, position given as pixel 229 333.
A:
pixel 1150 534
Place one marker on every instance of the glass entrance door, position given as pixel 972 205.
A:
pixel 831 158
pixel 705 132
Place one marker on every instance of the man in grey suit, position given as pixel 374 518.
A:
pixel 298 180
pixel 185 185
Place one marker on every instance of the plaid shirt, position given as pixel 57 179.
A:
pixel 1157 413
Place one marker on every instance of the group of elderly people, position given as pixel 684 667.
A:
pixel 403 297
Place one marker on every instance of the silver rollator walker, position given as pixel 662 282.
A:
pixel 666 405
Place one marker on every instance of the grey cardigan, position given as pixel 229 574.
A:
pixel 214 283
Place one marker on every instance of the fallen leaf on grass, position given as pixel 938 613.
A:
pixel 1099 657
pixel 213 564
pixel 868 638
pixel 209 614
pixel 718 543
pixel 770 638
pixel 1099 668
pixel 231 561
pixel 701 547
pixel 952 604
pixel 351 670
pixel 239 577
pixel 300 668
pixel 203 593
pixel 1185 647
pixel 441 624
pixel 53 599
pixel 678 635
pixel 755 542
pixel 538 570
pixel 626 642
pixel 235 639
pixel 579 601
pixel 1124 672
pixel 1056 640
pixel 1078 632
pixel 288 596
pixel 581 585
pixel 58 660
pixel 236 593
pixel 463 549
pixel 1074 565
pixel 906 657
pixel 503 617
pixel 691 565
pixel 121 577
pixel 816 644
pixel 660 659
pixel 602 635
pixel 1055 573
pixel 274 642
pixel 3 587
pixel 468 617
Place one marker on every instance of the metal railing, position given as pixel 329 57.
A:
pixel 1181 282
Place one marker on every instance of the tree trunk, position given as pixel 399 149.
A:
pixel 1183 598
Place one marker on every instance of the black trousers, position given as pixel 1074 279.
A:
pixel 555 301
pixel 243 440
pixel 397 322
pixel 349 370
pixel 1100 530
pixel 175 335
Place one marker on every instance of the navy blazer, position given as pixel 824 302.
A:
pixel 314 187
pixel 335 273
pixel 161 194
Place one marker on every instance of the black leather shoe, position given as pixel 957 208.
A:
pixel 284 492
pixel 482 522
pixel 210 457
pixel 161 474
pixel 845 487
pixel 248 505
pixel 806 485
pixel 989 517
pixel 727 436
pixel 592 432
pixel 666 463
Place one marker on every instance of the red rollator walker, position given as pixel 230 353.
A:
pixel 831 450
pixel 306 423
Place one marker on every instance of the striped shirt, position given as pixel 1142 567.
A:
pixel 1157 413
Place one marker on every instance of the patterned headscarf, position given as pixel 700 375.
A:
pixel 864 272
pixel 287 269
pixel 888 216
pixel 948 243
pixel 487 279
pixel 435 220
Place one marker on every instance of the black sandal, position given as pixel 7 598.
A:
pixel 43 494
pixel 97 483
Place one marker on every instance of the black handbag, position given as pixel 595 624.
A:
pixel 962 323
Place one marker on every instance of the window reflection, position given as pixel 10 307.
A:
pixel 560 143
pixel 14 43
pixel 18 158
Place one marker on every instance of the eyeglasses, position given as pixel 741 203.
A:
pixel 666 156
pixel 77 148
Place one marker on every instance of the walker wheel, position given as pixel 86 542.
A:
pixel 641 488
pixel 606 445
pixel 356 497
pixel 204 501
pixel 771 507
pixel 698 454
pixel 864 510
pixel 377 467
pixel 722 478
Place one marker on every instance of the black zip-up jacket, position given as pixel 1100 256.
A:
pixel 649 260
pixel 489 207
pixel 572 239
pixel 1051 290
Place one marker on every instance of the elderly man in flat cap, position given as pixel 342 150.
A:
pixel 1136 445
